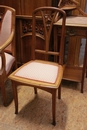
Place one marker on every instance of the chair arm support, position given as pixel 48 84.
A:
pixel 3 63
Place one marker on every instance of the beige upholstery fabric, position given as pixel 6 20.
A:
pixel 39 71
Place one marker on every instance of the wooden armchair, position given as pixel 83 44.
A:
pixel 71 5
pixel 43 74
pixel 7 28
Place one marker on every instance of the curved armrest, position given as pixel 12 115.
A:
pixel 2 63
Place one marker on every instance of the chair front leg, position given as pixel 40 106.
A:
pixel 59 92
pixel 35 90
pixel 3 93
pixel 14 87
pixel 54 106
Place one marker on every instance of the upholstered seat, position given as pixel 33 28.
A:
pixel 39 73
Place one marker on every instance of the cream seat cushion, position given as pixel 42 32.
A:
pixel 38 71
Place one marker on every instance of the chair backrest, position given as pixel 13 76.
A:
pixel 69 5
pixel 42 38
pixel 7 27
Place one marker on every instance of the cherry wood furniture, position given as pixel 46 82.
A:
pixel 7 59
pixel 43 74
pixel 76 26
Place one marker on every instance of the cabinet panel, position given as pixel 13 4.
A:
pixel 27 6
pixel 12 3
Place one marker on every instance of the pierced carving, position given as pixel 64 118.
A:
pixel 39 28
pixel 26 26
pixel 48 19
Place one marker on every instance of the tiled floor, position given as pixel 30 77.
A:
pixel 35 110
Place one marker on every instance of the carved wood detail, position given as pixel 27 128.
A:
pixel 26 26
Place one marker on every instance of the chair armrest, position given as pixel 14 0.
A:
pixel 2 64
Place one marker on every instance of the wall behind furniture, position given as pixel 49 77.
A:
pixel 26 6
